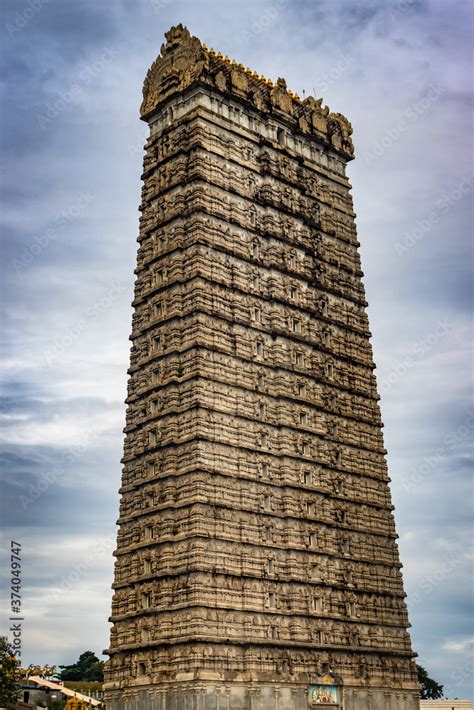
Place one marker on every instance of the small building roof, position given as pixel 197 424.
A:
pixel 62 688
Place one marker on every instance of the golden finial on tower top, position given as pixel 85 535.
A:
pixel 212 50
pixel 226 58
pixel 204 46
pixel 297 97
pixel 233 62
pixel 219 55
pixel 248 71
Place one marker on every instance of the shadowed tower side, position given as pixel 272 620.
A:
pixel 257 565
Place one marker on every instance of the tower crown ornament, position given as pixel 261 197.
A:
pixel 185 61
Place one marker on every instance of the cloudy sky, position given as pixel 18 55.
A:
pixel 72 151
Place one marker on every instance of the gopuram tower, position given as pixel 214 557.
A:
pixel 257 566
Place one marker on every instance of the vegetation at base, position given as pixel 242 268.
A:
pixel 88 667
pixel 430 689
pixel 83 686
pixel 8 675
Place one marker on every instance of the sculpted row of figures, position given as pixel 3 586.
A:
pixel 275 178
pixel 252 188
pixel 258 406
pixel 331 435
pixel 259 219
pixel 264 190
pixel 268 284
pixel 281 440
pixel 253 469
pixel 273 404
pixel 271 499
pixel 177 368
pixel 258 314
pixel 276 153
pixel 212 625
pixel 289 476
pixel 155 626
pixel 304 167
pixel 170 338
pixel 288 598
pixel 288 664
pixel 246 527
pixel 274 351
pixel 293 408
pixel 326 573
pixel 201 294
pixel 319 263
pixel 207 259
pixel 290 170
pixel 251 164
pixel 200 148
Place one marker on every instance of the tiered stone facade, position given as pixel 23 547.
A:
pixel 256 555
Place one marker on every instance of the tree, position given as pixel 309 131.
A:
pixel 88 667
pixel 430 689
pixel 9 672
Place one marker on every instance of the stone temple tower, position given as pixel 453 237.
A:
pixel 257 565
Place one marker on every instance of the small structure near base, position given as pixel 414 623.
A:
pixel 445 705
pixel 42 683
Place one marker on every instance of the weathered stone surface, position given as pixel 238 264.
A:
pixel 256 553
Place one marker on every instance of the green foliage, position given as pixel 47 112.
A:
pixel 9 685
pixel 88 667
pixel 430 689
pixel 83 686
